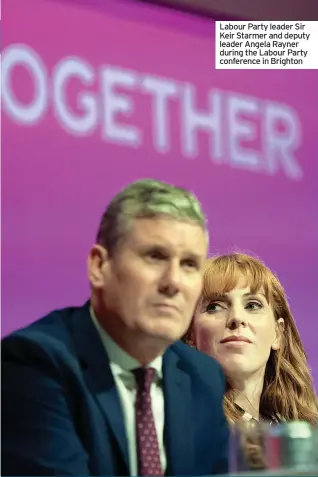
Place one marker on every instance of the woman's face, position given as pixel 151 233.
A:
pixel 238 329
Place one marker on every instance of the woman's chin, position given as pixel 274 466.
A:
pixel 235 365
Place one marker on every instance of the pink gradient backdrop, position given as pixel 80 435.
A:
pixel 56 183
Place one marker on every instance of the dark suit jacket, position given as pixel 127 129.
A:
pixel 61 413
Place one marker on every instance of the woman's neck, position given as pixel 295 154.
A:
pixel 249 393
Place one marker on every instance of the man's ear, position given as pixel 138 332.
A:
pixel 97 264
pixel 278 334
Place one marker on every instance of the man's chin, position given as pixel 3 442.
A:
pixel 164 334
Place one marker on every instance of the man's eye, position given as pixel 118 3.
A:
pixel 190 264
pixel 155 256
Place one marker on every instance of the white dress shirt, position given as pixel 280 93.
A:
pixel 121 365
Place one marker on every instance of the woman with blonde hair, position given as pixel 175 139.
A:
pixel 243 320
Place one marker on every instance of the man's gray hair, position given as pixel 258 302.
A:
pixel 147 198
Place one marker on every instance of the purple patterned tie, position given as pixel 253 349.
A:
pixel 146 435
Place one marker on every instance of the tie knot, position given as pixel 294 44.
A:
pixel 144 378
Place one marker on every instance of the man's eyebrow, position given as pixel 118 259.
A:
pixel 166 249
pixel 193 256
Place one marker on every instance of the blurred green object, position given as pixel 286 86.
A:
pixel 287 448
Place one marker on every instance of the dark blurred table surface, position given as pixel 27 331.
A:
pixel 281 472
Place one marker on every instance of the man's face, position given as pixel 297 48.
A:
pixel 152 282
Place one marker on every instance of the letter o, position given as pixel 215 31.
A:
pixel 25 56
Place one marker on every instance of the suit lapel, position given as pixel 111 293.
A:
pixel 179 439
pixel 98 376
pixel 179 429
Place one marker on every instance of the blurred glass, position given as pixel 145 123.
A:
pixel 291 445
pixel 262 446
pixel 248 446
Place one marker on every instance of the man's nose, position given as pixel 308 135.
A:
pixel 171 279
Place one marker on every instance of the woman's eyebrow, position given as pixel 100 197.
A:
pixel 217 296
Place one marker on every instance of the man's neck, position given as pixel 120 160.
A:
pixel 142 348
pixel 249 393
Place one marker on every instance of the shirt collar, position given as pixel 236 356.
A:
pixel 121 361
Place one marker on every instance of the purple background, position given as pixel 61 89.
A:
pixel 56 184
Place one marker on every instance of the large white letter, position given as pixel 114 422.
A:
pixel 63 71
pixel 240 129
pixel 118 103
pixel 280 145
pixel 22 55
pixel 161 89
pixel 207 121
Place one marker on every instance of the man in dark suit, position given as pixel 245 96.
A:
pixel 108 388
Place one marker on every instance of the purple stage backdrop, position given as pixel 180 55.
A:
pixel 96 94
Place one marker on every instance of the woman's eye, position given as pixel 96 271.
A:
pixel 213 307
pixel 254 305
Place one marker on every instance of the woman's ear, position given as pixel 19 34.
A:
pixel 189 336
pixel 278 334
